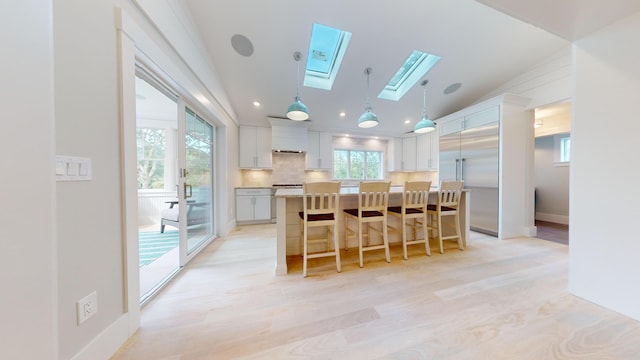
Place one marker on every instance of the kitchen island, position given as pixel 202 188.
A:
pixel 289 203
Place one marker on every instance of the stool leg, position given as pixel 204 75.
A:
pixel 336 246
pixel 404 237
pixel 440 232
pixel 458 230
pixel 304 251
pixel 360 242
pixel 427 246
pixel 385 236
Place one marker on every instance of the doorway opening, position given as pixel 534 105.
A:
pixel 551 171
pixel 156 145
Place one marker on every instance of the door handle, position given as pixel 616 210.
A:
pixel 462 164
pixel 185 191
pixel 457 163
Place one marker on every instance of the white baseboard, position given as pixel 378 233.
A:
pixel 531 231
pixel 227 228
pixel 107 342
pixel 558 219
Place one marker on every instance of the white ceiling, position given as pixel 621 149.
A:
pixel 480 47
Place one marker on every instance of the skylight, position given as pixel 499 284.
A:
pixel 326 50
pixel 414 68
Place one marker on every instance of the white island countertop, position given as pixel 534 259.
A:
pixel 344 190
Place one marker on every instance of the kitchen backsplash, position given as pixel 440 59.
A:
pixel 289 169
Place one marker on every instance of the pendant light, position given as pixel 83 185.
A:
pixel 297 110
pixel 424 125
pixel 368 119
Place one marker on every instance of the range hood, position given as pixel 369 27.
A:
pixel 288 136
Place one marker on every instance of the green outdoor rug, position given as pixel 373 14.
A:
pixel 153 244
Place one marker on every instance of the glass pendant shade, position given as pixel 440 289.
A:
pixel 297 110
pixel 424 126
pixel 368 119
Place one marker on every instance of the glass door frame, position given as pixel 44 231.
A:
pixel 185 255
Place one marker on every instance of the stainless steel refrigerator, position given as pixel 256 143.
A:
pixel 472 155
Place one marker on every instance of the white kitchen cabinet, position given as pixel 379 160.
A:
pixel 413 153
pixel 255 147
pixel 319 151
pixel 253 205
pixel 409 148
pixel 472 120
pixel 427 152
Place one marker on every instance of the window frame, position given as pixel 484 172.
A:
pixel 562 149
pixel 349 177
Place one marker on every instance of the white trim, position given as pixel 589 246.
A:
pixel 107 342
pixel 531 231
pixel 554 218
pixel 561 163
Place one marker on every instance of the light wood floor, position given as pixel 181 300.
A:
pixel 498 299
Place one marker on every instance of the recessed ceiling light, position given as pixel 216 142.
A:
pixel 407 121
pixel 452 88
pixel 256 103
pixel 343 114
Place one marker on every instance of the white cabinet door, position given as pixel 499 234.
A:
pixel 248 147
pixel 263 147
pixel 255 147
pixel 313 149
pixel 423 156
pixel 319 151
pixel 409 148
pixel 482 117
pixel 325 151
pixel 394 154
pixel 244 208
pixel 427 152
pixel 262 208
pixel 452 126
pixel 435 151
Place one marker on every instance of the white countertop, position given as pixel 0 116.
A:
pixel 344 190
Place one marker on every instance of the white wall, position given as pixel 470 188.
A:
pixel 90 245
pixel 551 182
pixel 545 83
pixel 27 256
pixel 91 215
pixel 604 266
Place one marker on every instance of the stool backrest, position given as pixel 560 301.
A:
pixel 449 193
pixel 415 194
pixel 321 197
pixel 374 195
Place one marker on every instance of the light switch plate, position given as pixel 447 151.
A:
pixel 73 168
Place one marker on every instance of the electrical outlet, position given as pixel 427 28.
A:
pixel 87 307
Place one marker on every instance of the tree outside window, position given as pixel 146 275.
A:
pixel 357 165
pixel 151 145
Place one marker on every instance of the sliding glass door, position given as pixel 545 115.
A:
pixel 157 145
pixel 198 180
pixel 175 167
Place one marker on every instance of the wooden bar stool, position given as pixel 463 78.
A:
pixel 414 208
pixel 320 204
pixel 447 204
pixel 373 199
